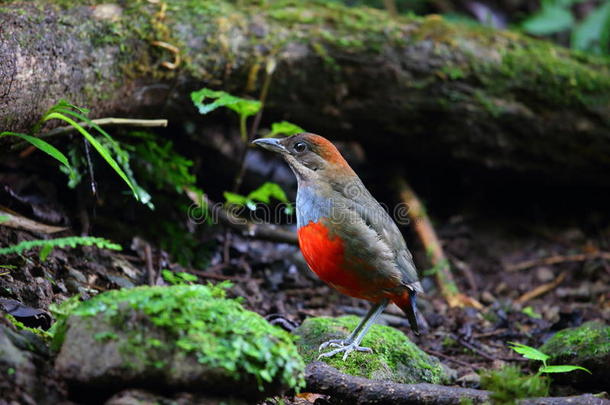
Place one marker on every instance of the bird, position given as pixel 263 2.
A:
pixel 346 237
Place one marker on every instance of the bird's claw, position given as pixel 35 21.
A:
pixel 341 346
pixel 332 343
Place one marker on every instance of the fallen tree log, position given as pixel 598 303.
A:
pixel 324 379
pixel 432 90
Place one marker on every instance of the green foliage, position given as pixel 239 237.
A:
pixel 37 331
pixel 262 194
pixel 529 311
pixel 43 146
pixel 592 34
pixel 67 112
pixel 183 246
pixel 48 244
pixel 178 278
pixel 3 218
pixel 200 321
pixel 534 354
pixel 162 165
pixel 553 17
pixel 284 127
pixel 243 107
pixel 220 98
pixel 509 384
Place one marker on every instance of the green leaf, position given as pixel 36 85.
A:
pixel 529 311
pixel 44 252
pixel 234 198
pixel 71 241
pixel 267 191
pixel 241 106
pixel 528 352
pixel 100 149
pixel 4 218
pixel 593 33
pixel 43 146
pixel 284 127
pixel 561 369
pixel 550 19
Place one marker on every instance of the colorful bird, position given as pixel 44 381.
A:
pixel 345 235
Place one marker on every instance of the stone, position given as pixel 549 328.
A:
pixel 394 358
pixel 587 346
pixel 179 338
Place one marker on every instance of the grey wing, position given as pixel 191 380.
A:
pixel 380 221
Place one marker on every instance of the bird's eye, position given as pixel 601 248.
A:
pixel 300 147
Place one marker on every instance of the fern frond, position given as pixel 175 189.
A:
pixel 71 241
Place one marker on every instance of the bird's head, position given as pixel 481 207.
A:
pixel 311 157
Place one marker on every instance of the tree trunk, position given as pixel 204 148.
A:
pixel 427 89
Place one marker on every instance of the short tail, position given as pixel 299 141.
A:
pixel 406 301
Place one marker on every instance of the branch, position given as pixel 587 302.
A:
pixel 324 379
pixel 425 231
pixel 269 232
pixel 548 261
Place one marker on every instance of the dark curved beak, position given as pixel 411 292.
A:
pixel 272 144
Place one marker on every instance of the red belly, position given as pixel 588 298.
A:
pixel 325 256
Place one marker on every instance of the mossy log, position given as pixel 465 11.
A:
pixel 347 389
pixel 432 90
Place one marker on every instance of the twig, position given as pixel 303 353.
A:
pixel 547 261
pixel 206 274
pixel 100 122
pixel 150 270
pixel 324 379
pixel 259 231
pixel 425 231
pixel 542 289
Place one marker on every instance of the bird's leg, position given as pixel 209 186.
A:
pixel 352 342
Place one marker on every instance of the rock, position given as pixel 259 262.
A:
pixel 26 373
pixel 17 371
pixel 180 338
pixel 587 346
pixel 394 358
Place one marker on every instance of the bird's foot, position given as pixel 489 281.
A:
pixel 333 343
pixel 341 346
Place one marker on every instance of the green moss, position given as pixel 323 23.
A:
pixel 37 331
pixel 588 341
pixel 509 384
pixel 394 355
pixel 197 320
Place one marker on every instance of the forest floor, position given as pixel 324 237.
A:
pixel 499 262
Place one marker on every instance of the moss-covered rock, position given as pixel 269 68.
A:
pixel 394 356
pixel 188 338
pixel 587 346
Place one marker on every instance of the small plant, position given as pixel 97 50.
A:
pixel 106 146
pixel 178 278
pixel 509 384
pixel 48 245
pixel 534 354
pixel 262 194
pixel 244 109
pixel 591 34
pixel 529 311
